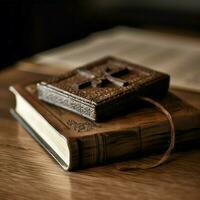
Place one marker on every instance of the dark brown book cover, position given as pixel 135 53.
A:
pixel 103 88
pixel 135 133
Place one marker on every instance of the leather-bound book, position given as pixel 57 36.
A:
pixel 104 88
pixel 77 142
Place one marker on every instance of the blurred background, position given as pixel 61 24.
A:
pixel 31 26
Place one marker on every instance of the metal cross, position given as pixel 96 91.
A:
pixel 107 75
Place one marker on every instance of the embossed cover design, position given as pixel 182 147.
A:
pixel 103 88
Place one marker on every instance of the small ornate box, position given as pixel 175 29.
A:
pixel 103 88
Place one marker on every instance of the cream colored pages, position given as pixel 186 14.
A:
pixel 175 55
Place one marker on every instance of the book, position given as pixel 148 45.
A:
pixel 103 88
pixel 76 142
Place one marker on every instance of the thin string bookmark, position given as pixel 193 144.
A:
pixel 166 156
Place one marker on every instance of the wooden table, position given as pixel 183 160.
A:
pixel 28 172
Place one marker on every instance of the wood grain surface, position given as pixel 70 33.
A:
pixel 28 172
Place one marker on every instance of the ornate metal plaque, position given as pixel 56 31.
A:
pixel 103 88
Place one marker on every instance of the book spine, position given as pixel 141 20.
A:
pixel 109 147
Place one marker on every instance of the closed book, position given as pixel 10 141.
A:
pixel 104 88
pixel 76 142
